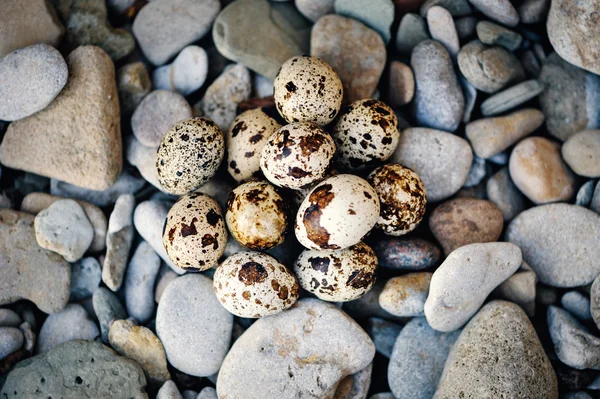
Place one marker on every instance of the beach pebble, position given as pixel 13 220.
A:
pixel 169 390
pixel 520 288
pixel 163 280
pixel 118 241
pixel 406 254
pixel 582 153
pixel 11 340
pixel 533 11
pixel 384 334
pixel 441 27
pixel 86 275
pixel 457 8
pixel 405 295
pixel 262 86
pixel 412 31
pixel 465 279
pixel 207 393
pixel 595 301
pixel 144 159
pixel 498 10
pixel 9 318
pixel 139 283
pixel 466 27
pixel 107 308
pixel 185 74
pixel 577 304
pixel 378 16
pixel 133 84
pixel 355 386
pixel 502 192
pixel 382 395
pixel 585 193
pixel 187 308
pixel 70 323
pixel 494 34
pixel 477 173
pixel 510 98
pixel 595 203
pixel 315 9
pixel 402 84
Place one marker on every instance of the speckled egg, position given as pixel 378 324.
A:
pixel 194 235
pixel 402 197
pixel 254 284
pixel 189 154
pixel 337 275
pixel 366 133
pixel 246 138
pixel 297 155
pixel 256 215
pixel 338 213
pixel 307 89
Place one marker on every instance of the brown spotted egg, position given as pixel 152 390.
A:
pixel 337 275
pixel 297 155
pixel 194 235
pixel 254 284
pixel 338 213
pixel 189 155
pixel 247 136
pixel 402 197
pixel 366 133
pixel 256 215
pixel 307 89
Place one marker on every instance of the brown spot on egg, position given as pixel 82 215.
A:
pixel 290 87
pixel 255 138
pixel 360 279
pixel 275 285
pixel 297 172
pixel 239 127
pixel 172 234
pixel 208 240
pixel 213 217
pixel 246 295
pixel 252 273
pixel 319 199
pixel 283 293
pixel 189 230
pixel 311 143
pixel 320 264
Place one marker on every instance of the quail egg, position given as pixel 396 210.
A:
pixel 247 136
pixel 194 235
pixel 253 284
pixel 338 213
pixel 337 275
pixel 366 133
pixel 402 197
pixel 189 154
pixel 256 215
pixel 297 155
pixel 307 89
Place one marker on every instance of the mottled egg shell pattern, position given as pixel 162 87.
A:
pixel 256 215
pixel 189 154
pixel 254 284
pixel 307 89
pixel 402 197
pixel 338 213
pixel 366 134
pixel 246 138
pixel 337 275
pixel 297 155
pixel 194 235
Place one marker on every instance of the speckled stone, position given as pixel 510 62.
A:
pixel 107 308
pixel 582 153
pixel 406 254
pixel 503 193
pixel 378 16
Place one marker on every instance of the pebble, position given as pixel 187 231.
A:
pixel 551 236
pixel 262 87
pixel 585 194
pixel 402 84
pixel 412 31
pixel 490 355
pixel 9 318
pixel 577 395
pixel 383 395
pixel 595 301
pixel 368 304
pixel 163 27
pixel 306 350
pixel 315 9
pixel 118 242
pixel 379 15
pixel 462 221
pixel 502 192
pixel 441 159
pixel 457 8
pixel 439 100
pixel 163 281
pixel 595 204
pixel 144 159
pixel 384 334
pixel 510 98
pixel 533 11
pixel 22 263
pixel 491 136
pixel 11 340
pixel 77 369
pixel 70 323
pixel 465 279
pixel 405 295
pixel 188 310
pixel 140 344
pixel 466 27
pixel 85 116
pixel 571 98
pixel 32 77
pixel 139 283
pixel 406 254
pixel 107 308
pixel 186 74
pixel 538 170
pixel 133 84
pixel 520 288
pixel 207 393
pixel 441 27
pixel 28 22
pixel 169 391
pixel 494 34
pixel 355 386
pixel 498 10
pixel 577 304
pixel 356 52
pixel 86 275
pixel 157 112
pixel 476 174
pixel 470 93
pixel 582 153
pixel 418 359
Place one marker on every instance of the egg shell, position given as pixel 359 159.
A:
pixel 337 275
pixel 254 284
pixel 297 155
pixel 402 197
pixel 256 215
pixel 338 213
pixel 246 138
pixel 194 235
pixel 189 155
pixel 307 89
pixel 366 134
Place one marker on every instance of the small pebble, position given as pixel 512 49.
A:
pixel 466 27
pixel 379 16
pixel 457 8
pixel 315 9
pixel 406 254
pixel 11 340
pixel 208 392
pixel 139 283
pixel 578 304
pixel 405 296
pixel 118 241
pixel 492 34
pixel 355 386
pixel 503 193
pixel 520 288
pixel 86 275
pixel 262 86
pixel 470 93
pixel 510 98
pixel 9 318
pixel 133 84
pixel 595 203
pixel 163 281
pixel 70 323
pixel 585 194
pixel 412 31
pixel 186 74
pixel 582 153
pixel 402 84
pixel 384 334
pixel 169 391
pixel 477 173
pixel 498 10
pixel 144 159
pixel 107 308
pixel 595 301
pixel 533 11
pixel 441 27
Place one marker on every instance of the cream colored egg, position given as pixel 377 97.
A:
pixel 338 213
pixel 307 89
pixel 248 134
pixel 402 197
pixel 297 155
pixel 337 275
pixel 254 284
pixel 194 235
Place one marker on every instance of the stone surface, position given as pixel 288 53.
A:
pixel 169 391
pixel 520 288
pixel 144 159
pixel 492 34
pixel 133 84
pixel 9 318
pixel 185 74
pixel 118 241
pixel 208 393
pixel 577 304
pixel 355 386
pixel 585 193
pixel 70 323
pixel 86 275
pixel 582 153
pixel 315 9
pixel 441 28
pixel 378 16
pixel 139 283
pixel 11 340
pixel 107 308
pixel 384 334
pixel 406 254
pixel 412 31
pixel 402 84
pixel 162 282
pixel 405 295
pixel 533 11
pixel 498 10
pixel 595 203
pixel 457 8
pixel 503 193
pixel 510 98
pixel 595 301
pixel 76 138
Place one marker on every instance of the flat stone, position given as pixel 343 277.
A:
pixel 406 254
pixel 169 391
pixel 315 9
pixel 551 236
pixel 412 31
pixel 520 288
pixel 76 138
pixel 356 52
pixel 384 334
pixel 86 275
pixel 355 386
pixel 462 283
pixel 402 84
pixel 510 98
pixel 139 283
pixel 70 323
pixel 494 34
pixel 108 308
pixel 118 242
pixel 490 355
pixel 144 159
pixel 441 28
pixel 185 74
pixel 457 8
pixel 133 84
pixel 11 340
pixel 533 11
pixel 582 153
pixel 498 10
pixel 379 16
pixel 585 194
pixel 502 192
pixel 577 304
pixel 9 318
pixel 405 295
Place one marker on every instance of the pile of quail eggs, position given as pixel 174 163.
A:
pixel 286 175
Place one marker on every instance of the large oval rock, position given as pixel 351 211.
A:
pixel 561 242
pixel 302 352
pixel 498 354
